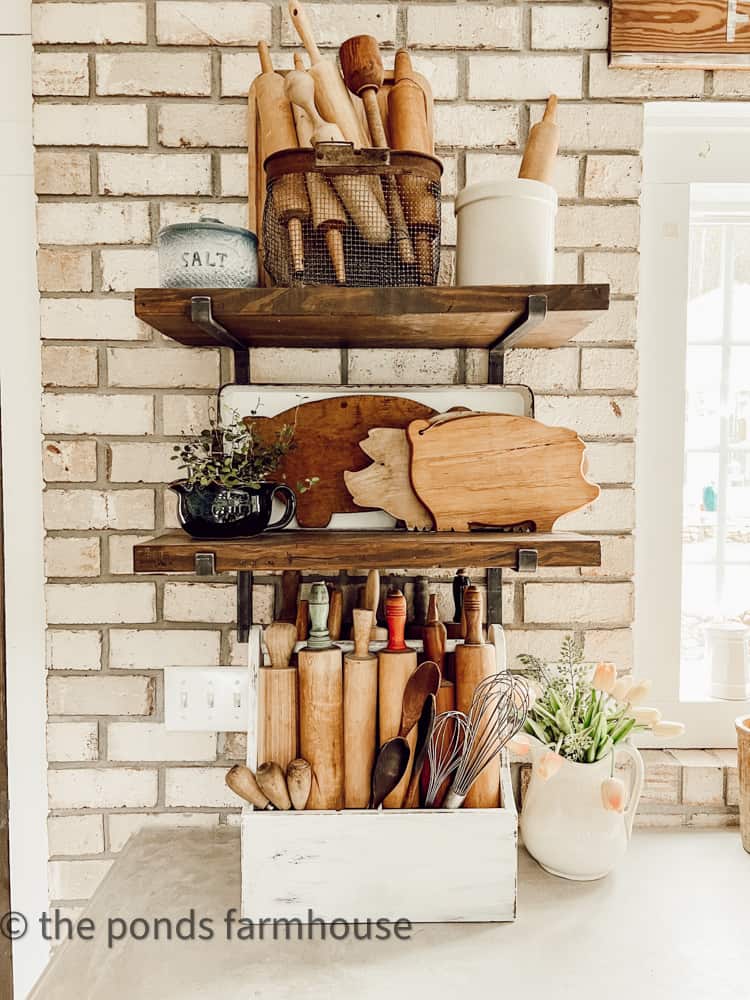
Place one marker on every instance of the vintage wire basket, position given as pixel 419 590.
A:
pixel 337 215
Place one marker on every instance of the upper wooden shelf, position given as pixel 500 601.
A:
pixel 482 316
pixel 175 551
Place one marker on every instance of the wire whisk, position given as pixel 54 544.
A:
pixel 444 751
pixel 497 712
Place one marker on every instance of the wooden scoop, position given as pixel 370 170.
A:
pixel 242 782
pixel 538 163
pixel 390 768
pixel 273 784
pixel 299 781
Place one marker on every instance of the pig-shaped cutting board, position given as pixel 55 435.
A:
pixel 491 470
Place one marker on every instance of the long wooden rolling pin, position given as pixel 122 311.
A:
pixel 360 714
pixel 475 660
pixel 395 665
pixel 434 641
pixel 409 130
pixel 278 132
pixel 277 693
pixel 321 707
pixel 538 163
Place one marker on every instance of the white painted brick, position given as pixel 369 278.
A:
pixel 606 82
pixel 611 177
pixel 569 27
pixel 441 70
pixel 613 510
pixel 167 367
pixel 110 222
pixel 74 649
pixel 199 602
pixel 120 548
pixel 566 268
pixel 72 741
pixel 233 746
pixel 71 557
pixel 78 414
pixel 702 786
pixel 61 270
pixel 97 23
pixel 448 223
pixel 662 779
pixel 610 462
pixel 658 821
pixel 546 371
pixel 444 26
pixel 69 366
pixel 449 180
pixel 83 604
pixel 187 74
pixel 597 226
pixel 712 821
pixel 590 416
pixel 122 826
pixel 619 270
pixel 125 270
pixel 617 558
pixel 61 73
pixel 75 834
pixel 239 69
pixel 154 173
pixel 152 649
pixel 202 125
pixel 91 319
pixel 231 213
pixel 299 366
pixel 332 24
pixel 90 125
pixel 582 603
pixel 730 83
pixel 136 462
pixel 470 126
pixel 597 126
pixel 500 167
pixel 609 368
pixel 233 174
pixel 62 172
pixel 614 646
pixel 129 741
pixel 76 879
pixel 91 509
pixel 69 461
pixel 413 367
pixel 523 77
pixel 100 694
pixel 198 786
pixel 544 643
pixel 186 414
pixel 216 23
pixel 102 788
pixel 618 324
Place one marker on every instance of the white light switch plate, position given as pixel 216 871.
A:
pixel 206 699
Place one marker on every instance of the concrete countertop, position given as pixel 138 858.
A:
pixel 672 921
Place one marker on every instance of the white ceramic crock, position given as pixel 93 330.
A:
pixel 564 824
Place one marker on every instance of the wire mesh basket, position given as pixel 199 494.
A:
pixel 337 215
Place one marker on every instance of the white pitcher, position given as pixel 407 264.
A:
pixel 564 824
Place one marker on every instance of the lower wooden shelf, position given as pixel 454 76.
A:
pixel 175 551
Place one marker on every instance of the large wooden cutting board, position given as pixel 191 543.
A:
pixel 327 436
pixel 495 470
pixel 387 483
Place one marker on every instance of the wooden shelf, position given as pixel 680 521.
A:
pixel 175 551
pixel 480 317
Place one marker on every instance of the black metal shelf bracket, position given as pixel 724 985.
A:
pixel 205 565
pixel 536 313
pixel 202 315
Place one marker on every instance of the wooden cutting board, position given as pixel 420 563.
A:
pixel 495 470
pixel 386 483
pixel 327 436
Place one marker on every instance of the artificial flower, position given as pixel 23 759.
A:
pixel 605 677
pixel 548 765
pixel 638 692
pixel 646 716
pixel 613 795
pixel 621 688
pixel 520 744
pixel 666 728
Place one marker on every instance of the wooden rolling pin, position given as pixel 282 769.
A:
pixel 363 74
pixel 299 782
pixel 434 640
pixel 277 693
pixel 475 660
pixel 335 614
pixel 303 620
pixel 360 714
pixel 356 192
pixel 273 784
pixel 538 163
pixel 407 119
pixel 321 707
pixel 372 602
pixel 328 215
pixel 396 663
pixel 278 132
pixel 243 783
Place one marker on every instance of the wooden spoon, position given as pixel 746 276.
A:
pixel 390 767
pixel 424 732
pixel 424 681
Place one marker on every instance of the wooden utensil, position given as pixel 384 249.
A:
pixel 386 483
pixel 460 582
pixel 389 771
pixel 328 215
pixel 495 470
pixel 290 581
pixel 273 784
pixel 299 782
pixel 278 132
pixel 277 695
pixel 303 619
pixel 360 714
pixel 424 732
pixel 335 614
pixel 372 603
pixel 538 163
pixel 407 121
pixel 446 697
pixel 475 661
pixel 242 782
pixel 396 663
pixel 421 601
pixel 434 636
pixel 363 74
pixel 321 706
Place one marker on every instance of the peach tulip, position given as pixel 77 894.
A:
pixel 646 716
pixel 666 728
pixel 638 692
pixel 548 765
pixel 605 677
pixel 621 688
pixel 613 795
pixel 520 744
